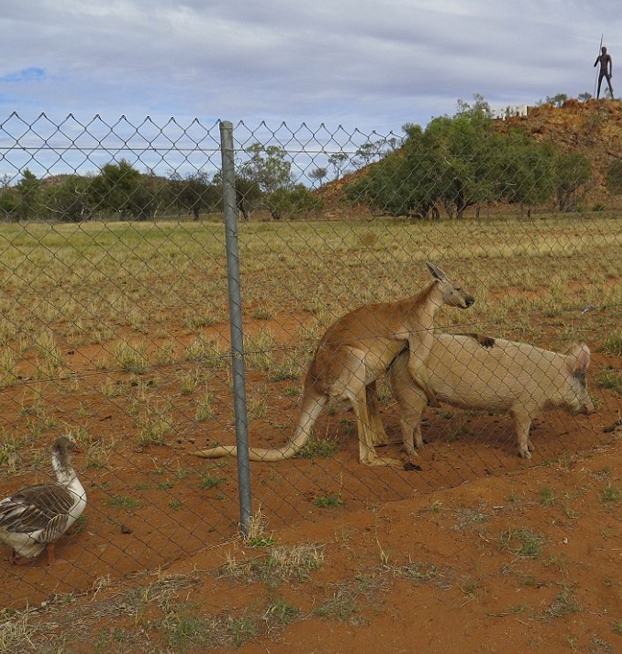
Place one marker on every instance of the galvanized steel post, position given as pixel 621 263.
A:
pixel 235 322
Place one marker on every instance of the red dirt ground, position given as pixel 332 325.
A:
pixel 447 572
pixel 431 561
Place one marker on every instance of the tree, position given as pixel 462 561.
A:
pixel 9 200
pixel 196 193
pixel 125 192
pixel 401 184
pixel 69 201
pixel 28 192
pixel 479 106
pixel 527 171
pixel 370 151
pixel 265 172
pixel 456 163
pixel 571 170
pixel 9 203
pixel 147 197
pixel 294 202
pixel 318 174
pixel 248 195
pixel 556 100
pixel 268 167
pixel 113 188
pixel 614 177
pixel 365 154
pixel 338 160
pixel 462 152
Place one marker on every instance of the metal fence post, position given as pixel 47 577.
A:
pixel 235 322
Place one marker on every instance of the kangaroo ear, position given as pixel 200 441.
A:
pixel 579 358
pixel 436 272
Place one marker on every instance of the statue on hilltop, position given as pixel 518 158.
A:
pixel 606 69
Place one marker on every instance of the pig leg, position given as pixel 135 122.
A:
pixel 522 424
pixel 411 421
pixel 411 401
pixel 417 368
pixel 380 435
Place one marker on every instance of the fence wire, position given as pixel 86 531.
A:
pixel 115 319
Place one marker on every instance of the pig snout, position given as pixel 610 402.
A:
pixel 585 404
pixel 588 408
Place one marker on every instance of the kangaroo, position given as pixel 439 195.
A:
pixel 494 375
pixel 356 350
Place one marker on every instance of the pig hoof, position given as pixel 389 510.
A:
pixel 409 465
pixel 525 454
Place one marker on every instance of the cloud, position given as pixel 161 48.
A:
pixel 368 64
pixel 31 74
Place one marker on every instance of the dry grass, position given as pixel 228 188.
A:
pixel 87 281
pixel 121 301
pixel 130 321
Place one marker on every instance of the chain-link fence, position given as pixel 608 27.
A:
pixel 115 320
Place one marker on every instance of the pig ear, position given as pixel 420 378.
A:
pixel 579 358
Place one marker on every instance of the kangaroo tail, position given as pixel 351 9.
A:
pixel 311 408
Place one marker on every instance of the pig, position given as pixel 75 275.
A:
pixel 494 375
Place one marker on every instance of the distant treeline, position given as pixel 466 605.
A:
pixel 120 191
pixel 453 165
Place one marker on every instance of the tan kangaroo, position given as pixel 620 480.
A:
pixel 354 352
pixel 494 375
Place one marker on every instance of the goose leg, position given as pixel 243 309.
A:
pixel 51 557
pixel 15 559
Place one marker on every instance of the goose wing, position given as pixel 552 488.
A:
pixel 45 506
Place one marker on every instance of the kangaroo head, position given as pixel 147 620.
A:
pixel 452 295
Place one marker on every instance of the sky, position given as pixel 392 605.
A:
pixel 336 67
pixel 367 64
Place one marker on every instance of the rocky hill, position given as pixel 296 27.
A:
pixel 593 128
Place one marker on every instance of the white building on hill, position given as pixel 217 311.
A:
pixel 509 112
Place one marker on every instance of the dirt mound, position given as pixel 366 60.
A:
pixel 592 128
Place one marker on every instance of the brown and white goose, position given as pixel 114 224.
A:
pixel 35 517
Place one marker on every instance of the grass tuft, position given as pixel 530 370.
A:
pixel 523 542
pixel 131 357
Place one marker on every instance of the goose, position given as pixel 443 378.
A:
pixel 35 517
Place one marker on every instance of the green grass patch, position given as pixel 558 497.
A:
pixel 609 378
pixel 523 542
pixel 609 494
pixel 123 502
pixel 211 481
pixel 319 448
pixel 329 501
pixel 613 344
